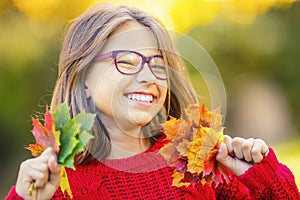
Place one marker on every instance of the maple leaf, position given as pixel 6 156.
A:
pixel 178 179
pixel 36 149
pixel 216 120
pixel 193 146
pixel 45 136
pixel 170 128
pixel 74 133
pixel 205 116
pixel 199 115
pixel 170 153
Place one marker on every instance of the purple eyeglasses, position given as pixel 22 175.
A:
pixel 132 62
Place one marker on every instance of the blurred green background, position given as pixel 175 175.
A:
pixel 256 46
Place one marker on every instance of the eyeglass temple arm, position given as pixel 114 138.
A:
pixel 103 56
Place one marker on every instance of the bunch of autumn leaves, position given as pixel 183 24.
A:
pixel 192 146
pixel 65 135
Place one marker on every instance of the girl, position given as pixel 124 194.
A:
pixel 120 63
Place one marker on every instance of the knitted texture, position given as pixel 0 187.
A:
pixel 147 176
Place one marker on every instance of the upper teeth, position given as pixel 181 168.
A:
pixel 141 97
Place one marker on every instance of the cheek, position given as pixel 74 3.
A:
pixel 163 90
pixel 102 97
pixel 103 86
pixel 109 91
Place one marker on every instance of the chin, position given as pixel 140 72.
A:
pixel 141 123
pixel 140 118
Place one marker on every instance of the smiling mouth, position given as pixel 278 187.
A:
pixel 141 98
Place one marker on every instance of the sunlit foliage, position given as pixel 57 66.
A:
pixel 180 15
pixel 52 9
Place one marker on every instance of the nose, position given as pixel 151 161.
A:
pixel 146 75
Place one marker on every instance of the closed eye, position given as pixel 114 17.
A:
pixel 158 67
pixel 125 62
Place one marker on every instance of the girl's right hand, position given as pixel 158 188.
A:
pixel 43 172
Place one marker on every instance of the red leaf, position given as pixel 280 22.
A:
pixel 45 136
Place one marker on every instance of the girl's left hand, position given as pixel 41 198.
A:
pixel 239 154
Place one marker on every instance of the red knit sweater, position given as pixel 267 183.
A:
pixel 146 176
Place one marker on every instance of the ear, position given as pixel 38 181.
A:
pixel 87 90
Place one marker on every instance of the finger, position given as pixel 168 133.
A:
pixel 265 148
pixel 247 146
pixel 53 165
pixel 42 177
pixel 55 169
pixel 38 177
pixel 32 165
pixel 34 170
pixel 259 150
pixel 31 171
pixel 39 166
pixel 46 154
pixel 237 147
pixel 228 142
pixel 222 155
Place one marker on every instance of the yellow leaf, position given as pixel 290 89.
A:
pixel 64 183
pixel 210 141
pixel 56 135
pixel 216 119
pixel 182 147
pixel 177 179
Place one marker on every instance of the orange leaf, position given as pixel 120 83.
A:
pixel 205 116
pixel 171 127
pixel 36 149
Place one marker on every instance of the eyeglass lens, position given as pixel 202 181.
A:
pixel 131 63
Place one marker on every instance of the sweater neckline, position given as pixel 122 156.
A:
pixel 149 160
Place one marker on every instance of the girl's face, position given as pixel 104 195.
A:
pixel 126 101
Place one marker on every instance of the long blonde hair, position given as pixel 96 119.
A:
pixel 84 40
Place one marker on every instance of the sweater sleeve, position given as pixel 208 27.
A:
pixel 267 180
pixel 270 180
pixel 13 195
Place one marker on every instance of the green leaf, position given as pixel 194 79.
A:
pixel 84 137
pixel 61 116
pixel 67 150
pixel 68 140
pixel 69 161
pixel 86 120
